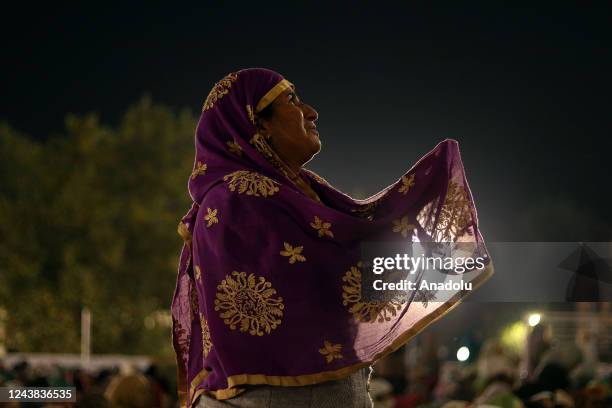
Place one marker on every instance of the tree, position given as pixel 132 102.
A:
pixel 89 219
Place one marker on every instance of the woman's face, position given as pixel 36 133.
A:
pixel 291 131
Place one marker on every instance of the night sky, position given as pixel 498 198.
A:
pixel 526 92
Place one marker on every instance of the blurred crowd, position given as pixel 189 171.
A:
pixel 545 374
pixel 106 388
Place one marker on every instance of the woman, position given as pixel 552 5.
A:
pixel 268 308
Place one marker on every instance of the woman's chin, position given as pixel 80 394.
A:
pixel 317 146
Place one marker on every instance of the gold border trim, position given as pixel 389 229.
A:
pixel 183 231
pixel 309 379
pixel 272 94
pixel 197 379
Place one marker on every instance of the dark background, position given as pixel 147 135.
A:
pixel 525 91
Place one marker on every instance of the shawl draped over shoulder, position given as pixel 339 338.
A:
pixel 269 280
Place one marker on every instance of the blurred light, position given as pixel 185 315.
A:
pixel 534 319
pixel 149 322
pixel 463 353
pixel 158 318
pixel 513 337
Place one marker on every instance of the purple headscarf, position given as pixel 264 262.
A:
pixel 269 282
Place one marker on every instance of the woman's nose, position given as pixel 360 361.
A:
pixel 309 112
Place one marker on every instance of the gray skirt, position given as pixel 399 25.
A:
pixel 349 392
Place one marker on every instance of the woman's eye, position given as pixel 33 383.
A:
pixel 293 99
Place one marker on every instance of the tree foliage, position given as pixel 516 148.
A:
pixel 88 219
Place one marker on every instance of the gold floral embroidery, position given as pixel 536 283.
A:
pixel 294 253
pixel 318 178
pixel 331 351
pixel 193 300
pixel 425 296
pixel 206 341
pixel 220 89
pixel 251 183
pixel 261 145
pixel 403 226
pixel 234 148
pixel 249 109
pixel 183 231
pixel 322 227
pixel 368 312
pixel 211 217
pixel 181 340
pixel 198 274
pixel 199 170
pixel 249 302
pixel 455 214
pixel 407 183
pixel 366 210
